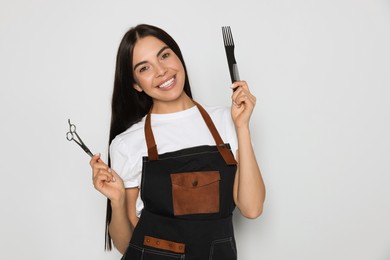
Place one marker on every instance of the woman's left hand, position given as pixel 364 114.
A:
pixel 243 104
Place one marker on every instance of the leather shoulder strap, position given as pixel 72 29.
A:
pixel 221 146
pixel 150 142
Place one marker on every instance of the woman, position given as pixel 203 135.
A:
pixel 174 183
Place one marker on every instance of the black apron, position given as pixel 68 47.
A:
pixel 188 202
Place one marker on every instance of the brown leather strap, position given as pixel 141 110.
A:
pixel 164 244
pixel 150 142
pixel 222 148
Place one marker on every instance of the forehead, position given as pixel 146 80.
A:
pixel 147 47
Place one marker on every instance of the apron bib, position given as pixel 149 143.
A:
pixel 188 202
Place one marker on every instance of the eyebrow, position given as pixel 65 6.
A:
pixel 158 54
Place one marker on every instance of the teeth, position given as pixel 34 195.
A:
pixel 166 84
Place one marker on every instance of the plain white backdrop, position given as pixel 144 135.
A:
pixel 320 71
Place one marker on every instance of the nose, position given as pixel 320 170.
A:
pixel 161 70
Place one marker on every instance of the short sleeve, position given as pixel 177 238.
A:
pixel 231 135
pixel 125 166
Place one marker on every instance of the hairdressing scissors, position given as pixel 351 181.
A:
pixel 71 136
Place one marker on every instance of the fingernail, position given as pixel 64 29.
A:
pixel 113 179
pixel 109 169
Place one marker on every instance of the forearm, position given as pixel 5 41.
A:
pixel 120 227
pixel 250 189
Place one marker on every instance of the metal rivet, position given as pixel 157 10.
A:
pixel 195 183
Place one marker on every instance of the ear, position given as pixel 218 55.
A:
pixel 137 87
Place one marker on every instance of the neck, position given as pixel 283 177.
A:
pixel 164 107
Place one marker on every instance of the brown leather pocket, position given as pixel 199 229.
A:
pixel 195 192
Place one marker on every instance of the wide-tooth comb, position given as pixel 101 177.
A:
pixel 229 48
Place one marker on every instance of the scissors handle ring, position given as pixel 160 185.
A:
pixel 69 136
pixel 72 128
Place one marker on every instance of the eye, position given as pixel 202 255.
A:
pixel 144 68
pixel 165 55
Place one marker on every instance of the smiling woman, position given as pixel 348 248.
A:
pixel 160 74
pixel 175 201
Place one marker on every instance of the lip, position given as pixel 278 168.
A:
pixel 170 86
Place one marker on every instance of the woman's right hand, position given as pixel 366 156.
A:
pixel 106 180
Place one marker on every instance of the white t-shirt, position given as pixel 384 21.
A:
pixel 172 132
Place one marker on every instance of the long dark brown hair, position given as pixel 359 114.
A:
pixel 128 105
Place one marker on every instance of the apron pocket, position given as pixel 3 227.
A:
pixel 195 192
pixel 134 252
pixel 223 249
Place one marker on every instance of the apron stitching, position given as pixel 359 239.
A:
pixel 152 251
pixel 218 241
pixel 233 247
pixel 173 157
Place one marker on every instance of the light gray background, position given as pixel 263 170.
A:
pixel 320 71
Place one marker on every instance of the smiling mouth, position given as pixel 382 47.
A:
pixel 167 83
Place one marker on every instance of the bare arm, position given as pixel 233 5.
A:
pixel 249 189
pixel 123 219
pixel 123 201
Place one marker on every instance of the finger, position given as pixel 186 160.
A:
pixel 249 97
pixel 95 158
pixel 242 96
pixel 103 175
pixel 97 161
pixel 103 171
pixel 115 175
pixel 238 84
pixel 243 100
pixel 236 94
pixel 100 180
pixel 247 100
pixel 244 92
pixel 240 87
pixel 100 167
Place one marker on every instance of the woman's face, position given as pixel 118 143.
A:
pixel 157 70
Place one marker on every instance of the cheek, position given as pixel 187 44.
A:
pixel 144 79
pixel 179 64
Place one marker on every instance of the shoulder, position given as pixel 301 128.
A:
pixel 131 139
pixel 219 114
pixel 217 109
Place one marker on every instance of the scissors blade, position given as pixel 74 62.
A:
pixel 83 146
pixel 72 132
